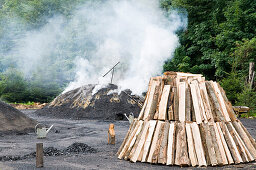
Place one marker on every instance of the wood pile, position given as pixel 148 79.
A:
pixel 187 121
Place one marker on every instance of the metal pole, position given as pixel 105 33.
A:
pixel 112 75
pixel 111 69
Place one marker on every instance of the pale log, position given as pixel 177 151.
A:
pixel 195 104
pixel 221 101
pixel 158 143
pixel 182 102
pixel 231 144
pixel 163 103
pixel 225 145
pixel 181 157
pixel 171 144
pixel 162 157
pixel 198 143
pixel 245 139
pixel 176 104
pixel 188 104
pixel 152 125
pixel 127 136
pixel 154 141
pixel 141 142
pixel 191 146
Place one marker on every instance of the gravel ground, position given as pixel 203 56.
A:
pixel 90 132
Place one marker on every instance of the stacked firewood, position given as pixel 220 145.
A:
pixel 187 121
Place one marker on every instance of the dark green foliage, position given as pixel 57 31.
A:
pixel 14 88
pixel 219 43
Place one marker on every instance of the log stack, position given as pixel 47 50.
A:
pixel 187 121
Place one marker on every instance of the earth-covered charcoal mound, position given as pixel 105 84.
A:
pixel 88 103
pixel 14 121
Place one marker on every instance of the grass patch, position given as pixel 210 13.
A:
pixel 249 114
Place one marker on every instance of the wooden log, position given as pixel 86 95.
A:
pixel 248 134
pixel 152 125
pixel 225 145
pixel 170 107
pixel 155 156
pixel 182 101
pixel 127 136
pixel 141 153
pixel 111 134
pixel 210 145
pixel 215 106
pixel 245 139
pixel 229 107
pixel 171 113
pixel 231 144
pixel 151 105
pixel 162 157
pixel 200 102
pixel 239 146
pixel 203 138
pixel 191 146
pixel 181 157
pixel 188 104
pixel 242 144
pixel 163 103
pixel 195 104
pixel 154 141
pixel 215 145
pixel 39 155
pixel 176 104
pixel 199 146
pixel 141 115
pixel 171 144
pixel 159 98
pixel 206 100
pixel 140 143
pixel 133 140
pixel 193 116
pixel 128 143
pixel 221 101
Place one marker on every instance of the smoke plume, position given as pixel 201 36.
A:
pixel 96 36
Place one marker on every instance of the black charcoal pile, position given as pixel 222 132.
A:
pixel 75 148
pixel 88 103
pixel 14 121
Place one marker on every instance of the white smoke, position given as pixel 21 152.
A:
pixel 98 35
pixel 136 33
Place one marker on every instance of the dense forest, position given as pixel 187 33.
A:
pixel 219 42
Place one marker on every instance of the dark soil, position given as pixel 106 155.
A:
pixel 13 121
pixel 82 104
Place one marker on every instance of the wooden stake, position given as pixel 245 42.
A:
pixel 39 155
pixel 111 134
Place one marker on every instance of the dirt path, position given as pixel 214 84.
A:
pixel 91 132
